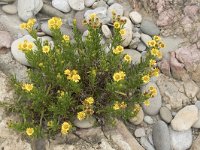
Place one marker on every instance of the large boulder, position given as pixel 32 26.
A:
pixel 28 9
pixel 185 118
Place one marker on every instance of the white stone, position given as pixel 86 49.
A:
pixel 101 13
pixel 17 54
pixel 106 31
pixel 148 120
pixel 117 8
pixel 86 123
pixel 185 118
pixel 128 36
pixel 197 123
pixel 140 132
pixel 76 4
pixel 89 3
pixel 10 9
pixel 138 119
pixel 28 8
pixel 180 140
pixel 61 5
pixel 135 17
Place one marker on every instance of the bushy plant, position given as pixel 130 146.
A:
pixel 77 78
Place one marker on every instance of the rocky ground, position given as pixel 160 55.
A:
pixel 172 121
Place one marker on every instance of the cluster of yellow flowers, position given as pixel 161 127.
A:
pixel 25 46
pixel 72 75
pixel 152 91
pixel 127 58
pixel 117 105
pixel 119 49
pixel 27 87
pixel 88 108
pixel 154 72
pixel 93 21
pixel 136 108
pixel 29 25
pixel 55 23
pixel 29 131
pixel 155 45
pixel 66 126
pixel 66 38
pixel 119 76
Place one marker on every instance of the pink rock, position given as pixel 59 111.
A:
pixel 160 6
pixel 189 56
pixel 5 40
pixel 191 11
pixel 177 69
pixel 187 24
pixel 166 18
pixel 165 67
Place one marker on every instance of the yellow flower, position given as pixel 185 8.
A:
pixel 123 105
pixel 161 45
pixel 120 48
pixel 127 58
pixel 23 26
pixel 29 25
pixel 116 25
pixel 75 78
pixel 93 16
pixel 67 72
pixel 151 43
pixel 117 77
pixel 81 115
pixel 136 108
pixel 74 71
pixel 154 51
pixel 89 100
pixel 66 38
pixel 122 32
pixel 152 63
pixel 153 91
pixel 146 78
pixel 25 46
pixel 55 23
pixel 65 127
pixel 50 123
pixel 155 72
pixel 147 102
pixel 122 74
pixel 156 38
pixel 159 54
pixel 29 131
pixel 46 49
pixel 116 106
pixel 27 87
pixel 116 51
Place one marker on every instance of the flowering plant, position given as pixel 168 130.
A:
pixel 75 78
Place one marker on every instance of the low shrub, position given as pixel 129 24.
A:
pixel 76 78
